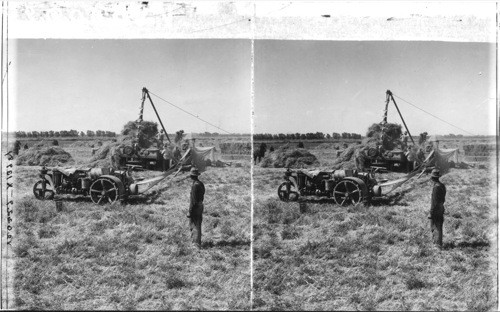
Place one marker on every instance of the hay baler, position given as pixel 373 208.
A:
pixel 345 186
pixel 149 159
pixel 396 158
pixel 393 160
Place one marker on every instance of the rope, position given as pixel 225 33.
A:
pixel 433 115
pixel 185 111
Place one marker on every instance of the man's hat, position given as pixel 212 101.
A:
pixel 435 173
pixel 194 172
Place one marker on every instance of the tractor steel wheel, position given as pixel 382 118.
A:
pixel 40 194
pixel 347 192
pixel 287 192
pixel 104 191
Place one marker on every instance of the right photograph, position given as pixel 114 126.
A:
pixel 374 176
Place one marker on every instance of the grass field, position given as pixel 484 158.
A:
pixel 315 255
pixel 310 255
pixel 137 255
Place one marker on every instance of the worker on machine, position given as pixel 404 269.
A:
pixel 404 140
pixel 160 138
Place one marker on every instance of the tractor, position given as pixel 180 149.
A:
pixel 347 187
pixel 103 185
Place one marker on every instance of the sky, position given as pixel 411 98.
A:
pixel 300 86
pixel 340 86
pixel 97 84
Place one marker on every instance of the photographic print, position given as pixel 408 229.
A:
pixel 374 173
pixel 130 169
pixel 249 155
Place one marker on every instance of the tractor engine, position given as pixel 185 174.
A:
pixel 77 183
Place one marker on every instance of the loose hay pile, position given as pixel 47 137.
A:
pixel 44 156
pixel 287 156
pixel 353 157
pixel 103 155
pixel 107 154
pixel 388 134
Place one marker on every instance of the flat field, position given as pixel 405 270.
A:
pixel 137 255
pixel 315 255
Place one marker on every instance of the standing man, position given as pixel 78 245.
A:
pixel 437 208
pixel 196 207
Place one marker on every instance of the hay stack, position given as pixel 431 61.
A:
pixel 287 156
pixel 388 135
pixel 107 154
pixel 44 156
pixel 356 156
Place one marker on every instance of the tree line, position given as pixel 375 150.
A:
pixel 212 134
pixel 64 134
pixel 306 136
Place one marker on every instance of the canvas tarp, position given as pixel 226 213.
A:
pixel 448 154
pixel 202 155
pixel 438 157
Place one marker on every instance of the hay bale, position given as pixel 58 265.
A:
pixel 44 156
pixel 287 156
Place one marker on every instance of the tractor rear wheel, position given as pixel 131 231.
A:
pixel 288 192
pixel 104 191
pixel 347 192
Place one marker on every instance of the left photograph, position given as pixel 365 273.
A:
pixel 131 170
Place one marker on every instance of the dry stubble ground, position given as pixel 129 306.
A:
pixel 378 257
pixel 137 255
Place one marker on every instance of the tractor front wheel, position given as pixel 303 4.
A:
pixel 41 193
pixel 288 192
